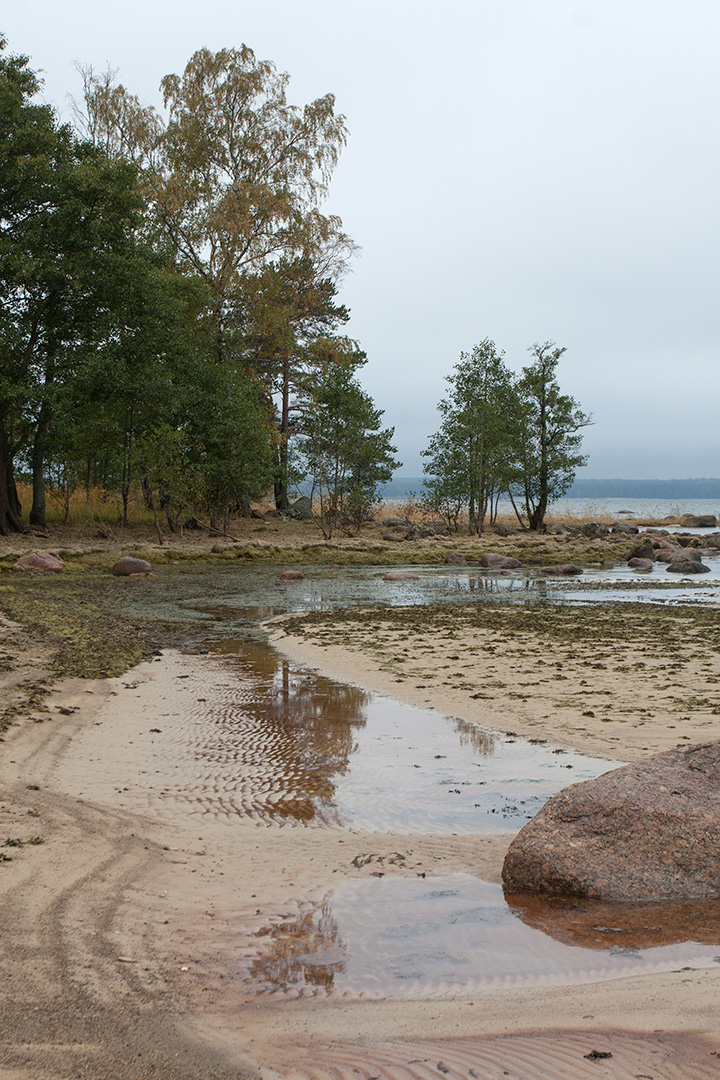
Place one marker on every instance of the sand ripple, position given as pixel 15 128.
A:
pixel 547 1055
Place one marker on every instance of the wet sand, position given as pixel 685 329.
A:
pixel 138 925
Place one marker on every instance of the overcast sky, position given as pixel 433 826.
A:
pixel 522 170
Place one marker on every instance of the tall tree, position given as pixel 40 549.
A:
pixel 548 435
pixel 468 458
pixel 288 310
pixel 349 455
pixel 235 178
pixel 28 147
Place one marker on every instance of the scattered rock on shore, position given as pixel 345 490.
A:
pixel 400 575
pixel 686 565
pixel 640 564
pixel 291 575
pixel 646 831
pixel 457 559
pixel 698 521
pixel 594 530
pixel 493 561
pixel 38 562
pixel 127 566
pixel 561 570
pixel 642 551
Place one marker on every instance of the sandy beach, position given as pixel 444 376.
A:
pixel 146 889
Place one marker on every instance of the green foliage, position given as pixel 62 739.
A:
pixel 548 435
pixel 467 459
pixel 233 182
pixel 168 304
pixel 503 433
pixel 347 452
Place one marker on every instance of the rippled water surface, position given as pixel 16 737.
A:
pixel 294 746
pixel 453 935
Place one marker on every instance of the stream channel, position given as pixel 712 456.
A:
pixel 282 746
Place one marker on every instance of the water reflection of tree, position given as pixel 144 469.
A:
pixel 305 951
pixel 477 738
pixel 308 725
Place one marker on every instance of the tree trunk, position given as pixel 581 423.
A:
pixel 170 514
pixel 9 502
pixel 282 502
pixel 38 510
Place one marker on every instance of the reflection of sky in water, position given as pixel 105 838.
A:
pixel 449 936
pixel 415 771
pixel 334 753
pixel 235 597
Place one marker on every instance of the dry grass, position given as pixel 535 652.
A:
pixel 85 506
pixel 96 505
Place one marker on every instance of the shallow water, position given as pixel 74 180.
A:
pixel 452 936
pixel 279 744
pixel 325 752
pixel 232 599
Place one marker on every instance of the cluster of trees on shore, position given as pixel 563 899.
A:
pixel 168 297
pixel 503 434
pixel 170 322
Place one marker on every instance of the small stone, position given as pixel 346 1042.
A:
pixel 291 575
pixel 400 575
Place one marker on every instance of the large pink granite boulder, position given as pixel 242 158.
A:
pixel 38 562
pixel 646 831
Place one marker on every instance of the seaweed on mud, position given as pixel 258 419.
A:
pixel 88 640
pixel 606 625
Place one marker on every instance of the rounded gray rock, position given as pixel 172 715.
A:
pixel 492 561
pixel 562 570
pixel 687 566
pixel 127 566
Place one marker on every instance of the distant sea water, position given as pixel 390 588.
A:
pixel 625 507
pixel 622 506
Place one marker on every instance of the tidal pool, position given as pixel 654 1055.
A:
pixel 291 746
pixel 452 936
pixel 231 599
